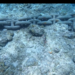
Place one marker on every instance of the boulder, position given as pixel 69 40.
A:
pixel 35 30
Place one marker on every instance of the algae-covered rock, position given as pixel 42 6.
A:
pixel 5 37
pixel 35 30
pixel 3 40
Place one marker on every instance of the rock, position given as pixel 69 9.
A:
pixel 69 35
pixel 56 50
pixel 5 37
pixel 3 40
pixel 31 62
pixel 10 35
pixel 35 30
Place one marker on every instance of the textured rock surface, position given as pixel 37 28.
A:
pixel 35 30
pixel 5 36
pixel 69 35
pixel 27 55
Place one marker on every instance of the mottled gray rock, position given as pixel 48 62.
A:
pixel 31 61
pixel 3 40
pixel 69 35
pixel 56 50
pixel 5 37
pixel 35 30
pixel 10 35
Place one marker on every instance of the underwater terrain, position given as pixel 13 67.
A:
pixel 37 39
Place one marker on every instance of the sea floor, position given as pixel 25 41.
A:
pixel 53 53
